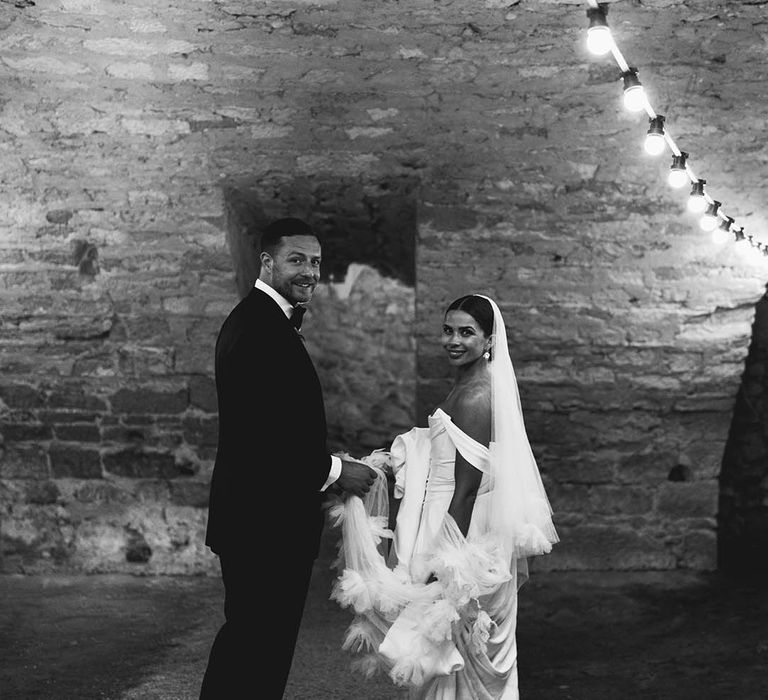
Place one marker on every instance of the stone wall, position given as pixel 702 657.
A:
pixel 124 126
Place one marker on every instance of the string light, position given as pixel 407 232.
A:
pixel 654 141
pixel 678 175
pixel 599 39
pixel 708 222
pixel 697 202
pixel 599 42
pixel 634 94
pixel 722 234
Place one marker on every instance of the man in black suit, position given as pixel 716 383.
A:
pixel 272 467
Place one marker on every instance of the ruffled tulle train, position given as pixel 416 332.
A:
pixel 445 628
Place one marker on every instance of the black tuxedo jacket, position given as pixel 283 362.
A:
pixel 272 458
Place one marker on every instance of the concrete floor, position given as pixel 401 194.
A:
pixel 582 636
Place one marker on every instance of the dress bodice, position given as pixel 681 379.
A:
pixel 445 438
pixel 442 456
pixel 423 462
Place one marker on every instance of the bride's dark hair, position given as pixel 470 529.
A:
pixel 478 308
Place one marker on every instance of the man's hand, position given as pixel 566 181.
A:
pixel 356 478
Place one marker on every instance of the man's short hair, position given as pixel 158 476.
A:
pixel 281 228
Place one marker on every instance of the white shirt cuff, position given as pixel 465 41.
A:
pixel 334 473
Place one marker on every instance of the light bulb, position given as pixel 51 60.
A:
pixel 709 221
pixel 654 144
pixel 678 177
pixel 634 98
pixel 654 141
pixel 725 228
pixel 696 202
pixel 634 95
pixel 599 39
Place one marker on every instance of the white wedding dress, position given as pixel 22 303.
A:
pixel 453 639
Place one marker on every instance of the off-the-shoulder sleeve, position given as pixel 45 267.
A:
pixel 410 460
pixel 475 453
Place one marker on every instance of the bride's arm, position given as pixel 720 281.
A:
pixel 472 415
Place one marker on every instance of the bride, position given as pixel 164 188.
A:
pixel 438 611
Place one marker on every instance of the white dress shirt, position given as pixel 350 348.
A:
pixel 287 308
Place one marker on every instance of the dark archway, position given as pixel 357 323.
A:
pixel 371 223
pixel 743 510
pixel 359 327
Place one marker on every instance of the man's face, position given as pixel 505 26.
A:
pixel 294 267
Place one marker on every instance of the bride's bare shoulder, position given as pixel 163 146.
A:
pixel 472 406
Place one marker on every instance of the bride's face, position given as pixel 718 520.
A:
pixel 463 339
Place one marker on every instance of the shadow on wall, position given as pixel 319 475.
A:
pixel 743 508
pixel 359 326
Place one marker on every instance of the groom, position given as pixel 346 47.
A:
pixel 272 466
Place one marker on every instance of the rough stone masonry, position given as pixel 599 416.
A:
pixel 125 128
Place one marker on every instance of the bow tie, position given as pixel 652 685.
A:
pixel 297 315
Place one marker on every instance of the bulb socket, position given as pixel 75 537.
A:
pixel 597 15
pixel 697 188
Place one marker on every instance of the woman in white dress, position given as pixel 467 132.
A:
pixel 438 612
